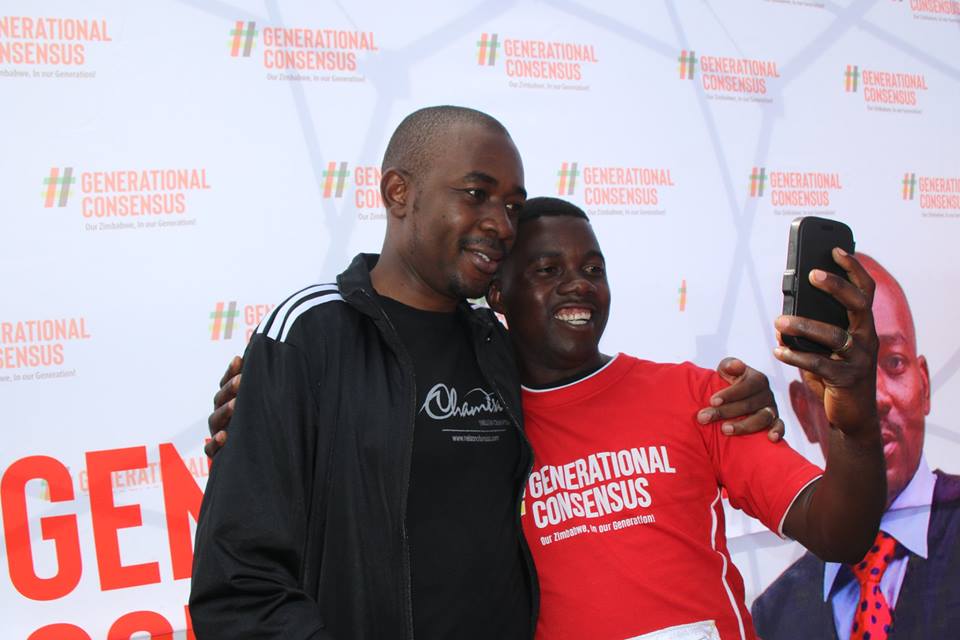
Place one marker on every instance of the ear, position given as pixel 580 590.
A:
pixel 495 296
pixel 805 406
pixel 396 189
pixel 925 380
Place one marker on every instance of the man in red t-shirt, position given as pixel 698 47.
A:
pixel 622 511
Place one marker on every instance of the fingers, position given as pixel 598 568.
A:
pixel 215 444
pixel 227 391
pixel 857 274
pixel 829 335
pixel 833 371
pixel 748 392
pixel 233 369
pixel 731 368
pixel 220 418
pixel 762 420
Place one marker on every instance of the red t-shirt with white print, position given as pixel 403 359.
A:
pixel 622 511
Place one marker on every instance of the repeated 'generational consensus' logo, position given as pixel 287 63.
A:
pixel 938 196
pixel 334 179
pixel 39 344
pixel 688 64
pixel 804 189
pixel 303 53
pixel 126 199
pixel 537 64
pixel 49 42
pixel 487 49
pixel 885 90
pixel 728 78
pixel 226 318
pixel 56 187
pixel 909 184
pixel 934 10
pixel 637 189
pixel 243 37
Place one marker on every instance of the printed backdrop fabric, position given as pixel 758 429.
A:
pixel 171 170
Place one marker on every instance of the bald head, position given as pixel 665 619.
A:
pixel 890 307
pixel 415 144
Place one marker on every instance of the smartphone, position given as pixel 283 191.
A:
pixel 811 242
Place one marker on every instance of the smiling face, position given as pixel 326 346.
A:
pixel 464 212
pixel 553 291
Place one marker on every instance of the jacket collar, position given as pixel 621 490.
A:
pixel 356 287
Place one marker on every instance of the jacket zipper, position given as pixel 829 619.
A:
pixel 396 345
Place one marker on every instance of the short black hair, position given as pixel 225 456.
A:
pixel 543 206
pixel 413 145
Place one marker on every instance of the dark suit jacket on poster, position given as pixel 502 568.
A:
pixel 792 607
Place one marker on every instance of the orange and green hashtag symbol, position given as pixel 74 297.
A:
pixel 487 49
pixel 242 40
pixel 568 178
pixel 331 173
pixel 688 64
pixel 56 187
pixel 683 294
pixel 851 78
pixel 909 183
pixel 757 179
pixel 221 325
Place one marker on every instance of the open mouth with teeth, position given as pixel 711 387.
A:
pixel 485 262
pixel 574 316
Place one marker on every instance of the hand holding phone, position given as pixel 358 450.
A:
pixel 810 247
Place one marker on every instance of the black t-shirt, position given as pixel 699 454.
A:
pixel 466 562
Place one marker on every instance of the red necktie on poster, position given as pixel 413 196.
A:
pixel 874 617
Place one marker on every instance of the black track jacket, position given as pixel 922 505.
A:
pixel 302 529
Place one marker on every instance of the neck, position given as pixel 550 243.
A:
pixel 394 278
pixel 538 375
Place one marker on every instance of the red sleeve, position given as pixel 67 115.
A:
pixel 762 478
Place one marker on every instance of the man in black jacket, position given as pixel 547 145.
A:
pixel 920 583
pixel 372 485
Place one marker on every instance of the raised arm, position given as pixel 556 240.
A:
pixel 837 517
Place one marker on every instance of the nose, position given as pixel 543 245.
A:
pixel 576 284
pixel 884 400
pixel 496 222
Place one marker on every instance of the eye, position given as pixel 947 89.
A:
pixel 479 195
pixel 595 269
pixel 894 364
pixel 546 269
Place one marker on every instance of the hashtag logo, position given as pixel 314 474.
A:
pixel 909 183
pixel 487 50
pixel 688 64
pixel 332 175
pixel 568 179
pixel 851 78
pixel 242 40
pixel 758 179
pixel 683 295
pixel 221 321
pixel 56 187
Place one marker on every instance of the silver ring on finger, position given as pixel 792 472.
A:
pixel 847 344
pixel 773 415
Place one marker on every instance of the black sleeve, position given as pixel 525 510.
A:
pixel 251 534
